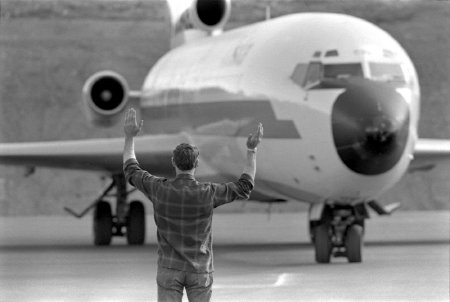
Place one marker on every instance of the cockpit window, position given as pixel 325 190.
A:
pixel 317 75
pixel 313 74
pixel 298 76
pixel 342 71
pixel 387 72
pixel 317 72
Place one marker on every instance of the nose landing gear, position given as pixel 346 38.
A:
pixel 339 232
pixel 354 243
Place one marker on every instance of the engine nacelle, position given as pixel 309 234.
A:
pixel 197 18
pixel 105 95
pixel 209 15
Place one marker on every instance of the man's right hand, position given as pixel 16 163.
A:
pixel 254 139
pixel 131 127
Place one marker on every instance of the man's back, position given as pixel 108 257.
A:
pixel 183 209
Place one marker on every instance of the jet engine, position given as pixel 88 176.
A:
pixel 196 19
pixel 209 15
pixel 201 16
pixel 105 95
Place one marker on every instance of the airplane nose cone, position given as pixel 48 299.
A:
pixel 370 123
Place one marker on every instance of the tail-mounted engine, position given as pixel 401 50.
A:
pixel 198 19
pixel 209 15
pixel 105 95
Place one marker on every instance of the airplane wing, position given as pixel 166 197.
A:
pixel 153 152
pixel 105 155
pixel 428 152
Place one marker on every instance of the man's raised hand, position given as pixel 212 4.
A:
pixel 131 127
pixel 254 139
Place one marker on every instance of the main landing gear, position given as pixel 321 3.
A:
pixel 129 219
pixel 338 230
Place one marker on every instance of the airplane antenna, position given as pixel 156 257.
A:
pixel 268 12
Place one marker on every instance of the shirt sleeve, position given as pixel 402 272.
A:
pixel 228 192
pixel 141 179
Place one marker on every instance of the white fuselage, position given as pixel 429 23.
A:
pixel 217 88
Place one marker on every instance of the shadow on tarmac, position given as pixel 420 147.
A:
pixel 235 247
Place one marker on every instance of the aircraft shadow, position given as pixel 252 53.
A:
pixel 237 247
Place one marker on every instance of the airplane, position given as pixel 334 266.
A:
pixel 339 99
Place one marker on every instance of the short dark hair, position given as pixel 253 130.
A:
pixel 185 156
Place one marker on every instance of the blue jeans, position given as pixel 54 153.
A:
pixel 172 282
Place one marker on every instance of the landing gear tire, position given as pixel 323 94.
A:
pixel 322 243
pixel 103 223
pixel 353 243
pixel 312 228
pixel 136 223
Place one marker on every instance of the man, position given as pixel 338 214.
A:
pixel 183 210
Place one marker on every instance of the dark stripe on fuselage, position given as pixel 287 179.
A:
pixel 222 118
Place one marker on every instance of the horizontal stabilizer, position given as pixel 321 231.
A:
pixel 384 210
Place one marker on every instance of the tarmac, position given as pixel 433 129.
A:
pixel 257 258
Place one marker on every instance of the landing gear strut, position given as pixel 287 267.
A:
pixel 339 232
pixel 129 219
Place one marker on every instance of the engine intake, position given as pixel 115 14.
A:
pixel 105 95
pixel 210 15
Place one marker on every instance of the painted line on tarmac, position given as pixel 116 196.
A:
pixel 281 280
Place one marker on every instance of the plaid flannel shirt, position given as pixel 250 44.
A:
pixel 183 209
